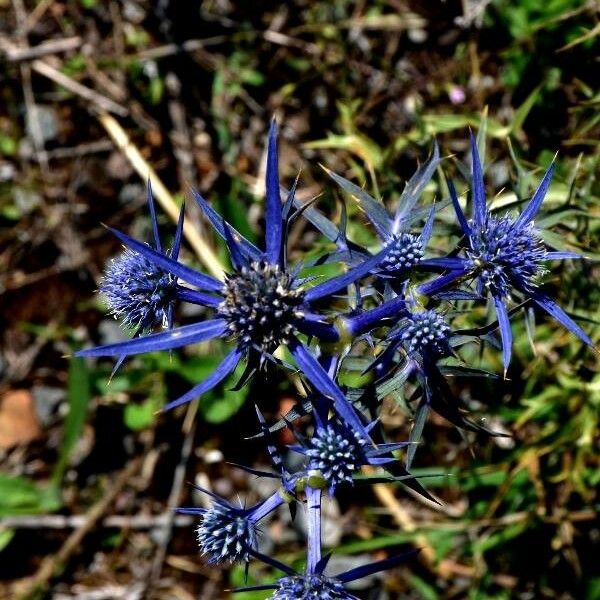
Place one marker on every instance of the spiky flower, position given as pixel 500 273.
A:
pixel 261 306
pixel 137 291
pixel 406 251
pixel 224 535
pixel 504 256
pixel 425 332
pixel 228 533
pixel 310 587
pixel 336 453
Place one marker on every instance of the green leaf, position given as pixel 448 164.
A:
pixel 6 535
pixel 222 403
pixel 141 416
pixel 78 398
pixel 19 495
pixel 523 111
pixel 423 588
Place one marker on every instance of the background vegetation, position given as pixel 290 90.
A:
pixel 87 472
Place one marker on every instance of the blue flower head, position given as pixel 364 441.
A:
pixel 335 452
pixel 138 291
pixel 426 333
pixel 504 256
pixel 227 533
pixel 416 345
pixel 310 587
pixel 260 305
pixel 405 249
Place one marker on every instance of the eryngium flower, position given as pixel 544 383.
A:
pixel 315 585
pixel 138 292
pixel 405 250
pixel 505 255
pixel 260 305
pixel 335 452
pixel 425 333
pixel 414 345
pixel 227 533
pixel 310 587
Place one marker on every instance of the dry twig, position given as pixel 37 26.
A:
pixel 102 102
pixel 204 252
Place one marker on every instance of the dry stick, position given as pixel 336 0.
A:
pixel 53 563
pixel 36 14
pixel 104 103
pixel 189 428
pixel 144 170
pixel 15 53
pixel 35 128
pixel 140 521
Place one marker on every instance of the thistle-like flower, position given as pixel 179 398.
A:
pixel 315 585
pixel 415 346
pixel 505 255
pixel 425 333
pixel 335 453
pixel 138 292
pixel 227 533
pixel 310 587
pixel 406 250
pixel 260 306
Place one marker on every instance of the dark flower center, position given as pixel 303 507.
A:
pixel 137 291
pixel 505 257
pixel 261 306
pixel 425 332
pixel 405 251
pixel 224 536
pixel 335 455
pixel 310 587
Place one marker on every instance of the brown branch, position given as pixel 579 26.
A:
pixel 16 53
pixel 162 195
pixel 102 102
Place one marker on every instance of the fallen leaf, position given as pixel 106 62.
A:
pixel 18 420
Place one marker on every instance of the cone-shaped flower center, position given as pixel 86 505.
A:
pixel 137 291
pixel 224 535
pixel 425 332
pixel 335 455
pixel 310 587
pixel 261 306
pixel 405 252
pixel 506 257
